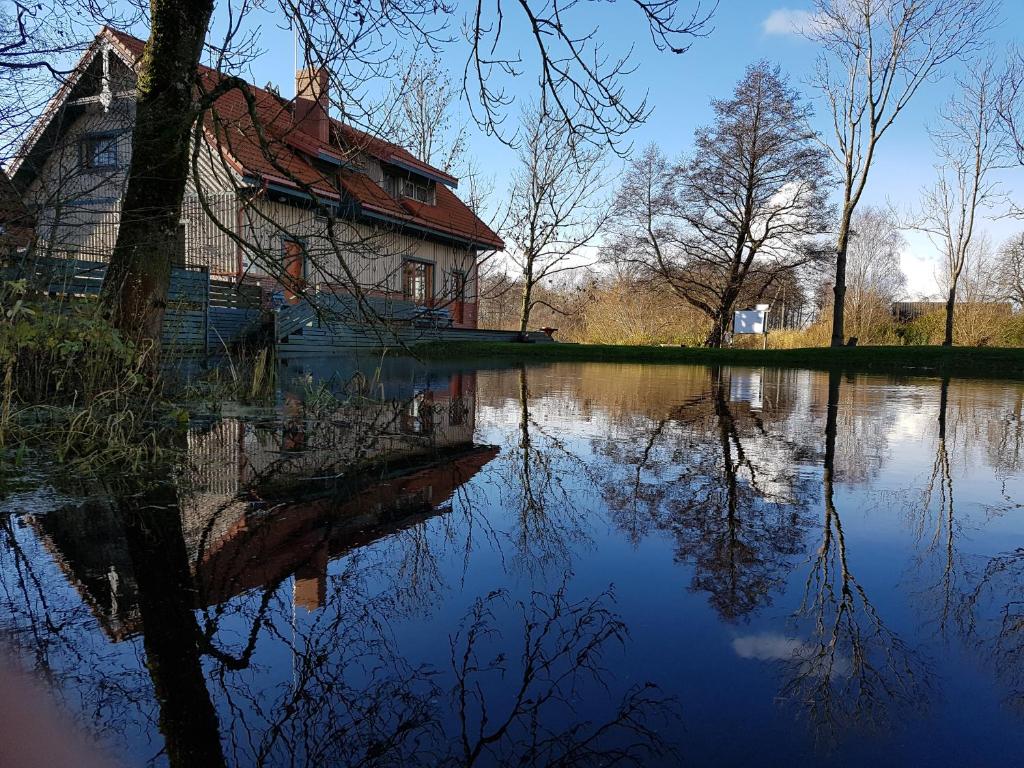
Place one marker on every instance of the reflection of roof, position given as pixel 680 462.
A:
pixel 88 544
pixel 286 158
pixel 267 550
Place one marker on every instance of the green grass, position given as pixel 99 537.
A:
pixel 988 362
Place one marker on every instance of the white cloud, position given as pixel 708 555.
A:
pixel 787 21
pixel 809 659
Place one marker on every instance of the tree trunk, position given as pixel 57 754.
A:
pixel 839 289
pixel 524 313
pixel 716 336
pixel 950 306
pixel 839 300
pixel 171 637
pixel 135 290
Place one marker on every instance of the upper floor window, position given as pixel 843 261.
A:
pixel 418 190
pixel 98 150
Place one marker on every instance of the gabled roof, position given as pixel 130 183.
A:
pixel 286 159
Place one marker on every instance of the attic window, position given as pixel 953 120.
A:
pixel 418 190
pixel 98 150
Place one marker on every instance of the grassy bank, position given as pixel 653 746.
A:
pixel 988 362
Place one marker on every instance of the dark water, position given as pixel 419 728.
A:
pixel 563 565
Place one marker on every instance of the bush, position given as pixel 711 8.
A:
pixel 74 388
pixel 53 352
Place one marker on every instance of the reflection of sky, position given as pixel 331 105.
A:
pixel 587 424
pixel 771 646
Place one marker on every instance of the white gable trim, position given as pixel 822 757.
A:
pixel 105 41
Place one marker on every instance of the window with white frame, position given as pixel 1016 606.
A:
pixel 418 190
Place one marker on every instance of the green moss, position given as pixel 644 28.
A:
pixel 988 362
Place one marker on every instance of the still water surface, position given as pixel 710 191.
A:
pixel 574 564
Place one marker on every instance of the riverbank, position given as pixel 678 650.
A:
pixel 987 362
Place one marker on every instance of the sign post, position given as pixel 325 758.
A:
pixel 752 321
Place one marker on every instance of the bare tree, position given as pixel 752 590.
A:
pixel 425 124
pixel 970 148
pixel 1010 104
pixel 876 56
pixel 646 223
pixel 1009 271
pixel 136 284
pixel 742 210
pixel 555 207
pixel 873 273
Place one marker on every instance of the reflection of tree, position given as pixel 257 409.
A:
pixel 1006 444
pixel 992 618
pixel 938 495
pixel 728 491
pixel 562 649
pixel 152 526
pixel 539 471
pixel 854 669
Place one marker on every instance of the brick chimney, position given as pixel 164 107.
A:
pixel 312 102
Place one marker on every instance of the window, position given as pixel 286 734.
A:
pixel 418 281
pixel 418 190
pixel 98 150
pixel 178 255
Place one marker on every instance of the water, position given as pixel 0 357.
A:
pixel 552 565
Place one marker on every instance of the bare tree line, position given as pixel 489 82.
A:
pixel 691 227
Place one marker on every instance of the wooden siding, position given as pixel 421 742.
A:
pixel 374 254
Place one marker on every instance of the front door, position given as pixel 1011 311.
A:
pixel 294 270
pixel 458 297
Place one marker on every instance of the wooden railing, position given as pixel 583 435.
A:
pixel 193 323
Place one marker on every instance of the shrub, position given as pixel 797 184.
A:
pixel 53 352
pixel 74 388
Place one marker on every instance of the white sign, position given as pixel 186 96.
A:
pixel 749 321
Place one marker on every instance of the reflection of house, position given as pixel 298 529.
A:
pixel 86 542
pixel 402 233
pixel 302 538
pixel 260 504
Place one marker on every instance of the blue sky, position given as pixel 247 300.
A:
pixel 680 88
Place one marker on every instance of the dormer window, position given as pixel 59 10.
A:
pixel 98 151
pixel 423 191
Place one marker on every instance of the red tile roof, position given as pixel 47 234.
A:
pixel 284 155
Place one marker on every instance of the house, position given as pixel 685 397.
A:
pixel 282 196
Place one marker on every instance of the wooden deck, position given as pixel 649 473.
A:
pixel 337 324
